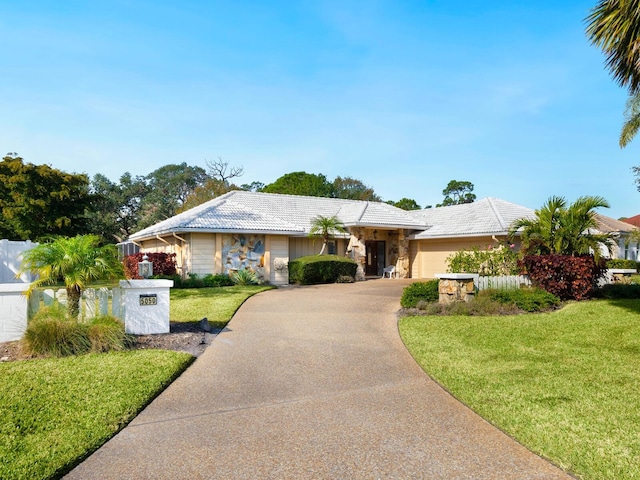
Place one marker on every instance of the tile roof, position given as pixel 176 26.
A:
pixel 486 216
pixel 609 225
pixel 240 211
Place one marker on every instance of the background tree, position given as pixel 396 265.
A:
pixel 558 229
pixel 217 183
pixel 326 228
pixel 77 261
pixel 168 188
pixel 405 204
pixel 116 207
pixel 38 201
pixel 457 192
pixel 302 183
pixel 353 189
pixel 252 187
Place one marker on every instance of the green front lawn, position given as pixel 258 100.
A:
pixel 55 412
pixel 217 304
pixel 565 384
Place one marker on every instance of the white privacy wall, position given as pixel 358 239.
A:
pixel 13 311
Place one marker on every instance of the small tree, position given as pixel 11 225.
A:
pixel 77 261
pixel 326 228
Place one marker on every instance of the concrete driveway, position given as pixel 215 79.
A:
pixel 311 382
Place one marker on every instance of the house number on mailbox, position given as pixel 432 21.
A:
pixel 149 299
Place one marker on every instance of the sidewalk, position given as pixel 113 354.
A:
pixel 311 382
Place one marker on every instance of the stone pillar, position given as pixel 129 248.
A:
pixel 357 251
pixel 402 264
pixel 455 287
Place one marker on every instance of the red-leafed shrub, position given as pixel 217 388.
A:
pixel 163 264
pixel 567 277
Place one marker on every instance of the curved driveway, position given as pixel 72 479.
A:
pixel 311 382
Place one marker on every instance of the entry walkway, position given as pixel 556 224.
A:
pixel 311 382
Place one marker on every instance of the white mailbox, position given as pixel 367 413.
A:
pixel 146 306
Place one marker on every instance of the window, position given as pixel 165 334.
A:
pixel 332 248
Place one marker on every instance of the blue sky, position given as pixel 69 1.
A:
pixel 404 95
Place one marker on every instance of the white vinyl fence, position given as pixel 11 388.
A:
pixel 94 303
pixel 504 282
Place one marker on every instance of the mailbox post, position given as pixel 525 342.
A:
pixel 146 306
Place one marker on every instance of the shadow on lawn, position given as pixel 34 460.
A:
pixel 630 304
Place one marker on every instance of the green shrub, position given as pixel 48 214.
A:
pixel 419 291
pixel 622 263
pixel 618 290
pixel 244 277
pixel 218 280
pixel 52 334
pixel 317 269
pixel 527 299
pixel 493 261
pixel 194 280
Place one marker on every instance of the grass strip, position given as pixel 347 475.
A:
pixel 218 304
pixel 565 384
pixel 55 412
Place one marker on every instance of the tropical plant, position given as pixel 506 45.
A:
pixel 244 277
pixel 493 261
pixel 326 228
pixel 614 27
pixel 76 261
pixel 558 229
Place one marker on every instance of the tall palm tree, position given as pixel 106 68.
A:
pixel 614 27
pixel 75 260
pixel 558 229
pixel 631 123
pixel 326 228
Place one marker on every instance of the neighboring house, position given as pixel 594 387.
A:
pixel 626 243
pixel 263 232
pixel 635 221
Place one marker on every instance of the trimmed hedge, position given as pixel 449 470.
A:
pixel 419 292
pixel 316 269
pixel 622 263
pixel 195 281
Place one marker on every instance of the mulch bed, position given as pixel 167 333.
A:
pixel 182 337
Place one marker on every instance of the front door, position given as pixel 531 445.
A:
pixel 375 257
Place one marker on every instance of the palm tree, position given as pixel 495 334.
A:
pixel 75 260
pixel 631 123
pixel 558 229
pixel 614 27
pixel 326 228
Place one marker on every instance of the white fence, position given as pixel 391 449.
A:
pixel 505 282
pixel 10 257
pixel 94 303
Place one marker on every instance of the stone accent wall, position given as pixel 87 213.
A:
pixel 402 263
pixel 357 251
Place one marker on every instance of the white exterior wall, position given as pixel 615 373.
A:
pixel 279 259
pixel 13 311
